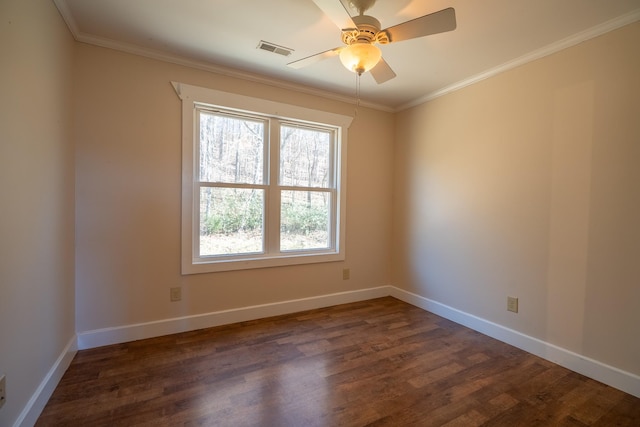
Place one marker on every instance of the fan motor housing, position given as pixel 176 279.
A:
pixel 367 31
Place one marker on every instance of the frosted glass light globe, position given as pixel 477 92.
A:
pixel 360 57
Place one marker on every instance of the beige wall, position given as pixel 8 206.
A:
pixel 128 144
pixel 528 184
pixel 524 185
pixel 36 197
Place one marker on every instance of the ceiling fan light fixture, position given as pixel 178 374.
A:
pixel 360 57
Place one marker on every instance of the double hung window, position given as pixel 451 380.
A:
pixel 263 182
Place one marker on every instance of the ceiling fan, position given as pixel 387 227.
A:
pixel 361 33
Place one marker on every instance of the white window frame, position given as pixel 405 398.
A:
pixel 192 97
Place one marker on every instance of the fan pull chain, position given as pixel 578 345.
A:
pixel 357 94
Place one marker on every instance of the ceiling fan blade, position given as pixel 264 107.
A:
pixel 315 58
pixel 382 72
pixel 337 12
pixel 434 23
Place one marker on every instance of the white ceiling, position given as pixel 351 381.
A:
pixel 223 35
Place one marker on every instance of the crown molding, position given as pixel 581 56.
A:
pixel 552 48
pixel 67 16
pixel 203 65
pixel 224 71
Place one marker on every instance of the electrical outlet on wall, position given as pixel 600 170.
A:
pixel 512 304
pixel 3 389
pixel 175 294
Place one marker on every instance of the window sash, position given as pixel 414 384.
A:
pixel 198 237
pixel 330 227
pixel 200 110
pixel 331 155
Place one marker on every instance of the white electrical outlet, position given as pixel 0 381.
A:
pixel 346 274
pixel 175 294
pixel 512 304
pixel 3 390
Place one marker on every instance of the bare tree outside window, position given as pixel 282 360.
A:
pixel 305 162
pixel 231 152
pixel 234 188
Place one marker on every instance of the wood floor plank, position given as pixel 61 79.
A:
pixel 377 363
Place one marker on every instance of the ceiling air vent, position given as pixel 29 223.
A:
pixel 270 47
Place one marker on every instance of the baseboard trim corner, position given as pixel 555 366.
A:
pixel 40 397
pixel 612 376
pixel 116 335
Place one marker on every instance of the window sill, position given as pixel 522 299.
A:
pixel 212 266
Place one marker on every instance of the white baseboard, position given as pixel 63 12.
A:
pixel 625 381
pixel 39 399
pixel 614 377
pixel 115 335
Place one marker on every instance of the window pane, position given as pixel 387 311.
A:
pixel 305 157
pixel 304 220
pixel 231 221
pixel 231 149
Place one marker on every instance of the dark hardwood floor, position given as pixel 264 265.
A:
pixel 378 362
